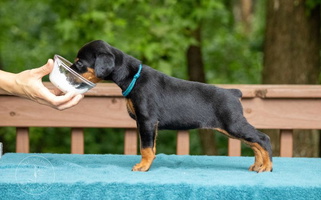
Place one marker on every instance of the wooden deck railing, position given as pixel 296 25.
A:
pixel 283 107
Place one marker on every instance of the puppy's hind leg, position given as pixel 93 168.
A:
pixel 258 141
pixel 147 133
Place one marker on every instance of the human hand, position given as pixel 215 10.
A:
pixel 29 84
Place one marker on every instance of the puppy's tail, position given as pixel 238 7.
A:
pixel 236 92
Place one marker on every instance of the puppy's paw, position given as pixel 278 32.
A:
pixel 141 167
pixel 261 167
pixel 255 167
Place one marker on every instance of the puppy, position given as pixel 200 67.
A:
pixel 157 101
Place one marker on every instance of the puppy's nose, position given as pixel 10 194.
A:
pixel 78 67
pixel 73 67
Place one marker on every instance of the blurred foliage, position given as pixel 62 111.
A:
pixel 157 32
pixel 312 3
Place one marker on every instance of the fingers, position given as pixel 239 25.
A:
pixel 53 98
pixel 29 84
pixel 44 70
pixel 74 101
pixel 65 101
pixel 56 91
pixel 59 102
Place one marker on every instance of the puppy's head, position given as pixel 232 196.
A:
pixel 95 61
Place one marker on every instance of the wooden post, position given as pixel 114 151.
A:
pixel 130 143
pixel 77 141
pixel 286 143
pixel 22 140
pixel 234 147
pixel 182 144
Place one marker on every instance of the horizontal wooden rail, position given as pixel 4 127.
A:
pixel 284 107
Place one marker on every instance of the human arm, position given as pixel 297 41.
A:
pixel 28 84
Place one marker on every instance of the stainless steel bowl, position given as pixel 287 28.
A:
pixel 66 79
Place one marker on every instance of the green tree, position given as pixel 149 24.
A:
pixel 157 32
pixel 293 58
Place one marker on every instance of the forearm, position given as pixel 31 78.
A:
pixel 7 82
pixel 28 84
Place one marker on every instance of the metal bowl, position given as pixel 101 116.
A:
pixel 66 79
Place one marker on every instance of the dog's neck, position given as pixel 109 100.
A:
pixel 124 71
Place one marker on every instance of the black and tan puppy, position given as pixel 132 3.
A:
pixel 157 101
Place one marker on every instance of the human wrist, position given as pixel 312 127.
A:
pixel 7 82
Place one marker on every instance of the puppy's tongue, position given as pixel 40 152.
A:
pixel 90 76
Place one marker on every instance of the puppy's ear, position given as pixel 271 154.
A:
pixel 104 65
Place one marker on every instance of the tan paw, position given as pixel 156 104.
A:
pixel 255 167
pixel 261 168
pixel 141 167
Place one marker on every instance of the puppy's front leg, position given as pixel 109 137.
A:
pixel 147 159
pixel 147 147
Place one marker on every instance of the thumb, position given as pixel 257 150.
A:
pixel 45 69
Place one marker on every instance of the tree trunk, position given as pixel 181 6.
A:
pixel 291 56
pixel 242 12
pixel 196 73
pixel 246 11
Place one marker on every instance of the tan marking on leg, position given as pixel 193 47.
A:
pixel 225 133
pixel 267 163
pixel 130 107
pixel 258 158
pixel 262 158
pixel 156 133
pixel 147 159
pixel 154 148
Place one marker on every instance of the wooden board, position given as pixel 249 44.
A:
pixel 265 106
pixel 283 113
pixel 90 112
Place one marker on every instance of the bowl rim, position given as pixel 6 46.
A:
pixel 65 64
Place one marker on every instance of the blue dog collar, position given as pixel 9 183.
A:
pixel 132 84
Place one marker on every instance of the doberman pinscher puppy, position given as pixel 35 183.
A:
pixel 157 101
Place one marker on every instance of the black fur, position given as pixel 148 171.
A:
pixel 164 102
